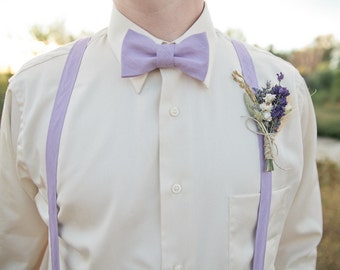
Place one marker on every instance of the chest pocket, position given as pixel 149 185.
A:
pixel 242 227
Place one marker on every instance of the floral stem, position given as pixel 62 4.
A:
pixel 269 165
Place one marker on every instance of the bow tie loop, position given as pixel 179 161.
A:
pixel 141 55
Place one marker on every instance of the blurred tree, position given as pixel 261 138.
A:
pixel 283 55
pixel 320 80
pixel 307 60
pixel 54 33
pixel 335 86
pixel 335 57
pixel 315 57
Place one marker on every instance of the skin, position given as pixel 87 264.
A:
pixel 164 19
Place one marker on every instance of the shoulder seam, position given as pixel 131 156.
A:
pixel 36 62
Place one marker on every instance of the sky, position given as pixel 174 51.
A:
pixel 285 24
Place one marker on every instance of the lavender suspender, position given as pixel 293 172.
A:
pixel 63 96
pixel 248 71
pixel 61 102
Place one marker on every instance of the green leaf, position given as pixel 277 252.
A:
pixel 250 105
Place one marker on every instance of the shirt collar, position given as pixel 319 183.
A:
pixel 120 24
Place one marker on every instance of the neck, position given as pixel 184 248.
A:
pixel 164 19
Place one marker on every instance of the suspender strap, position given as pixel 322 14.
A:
pixel 249 74
pixel 61 102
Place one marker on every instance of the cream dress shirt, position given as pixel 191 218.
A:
pixel 158 171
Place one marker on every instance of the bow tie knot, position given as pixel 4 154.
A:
pixel 141 55
pixel 165 55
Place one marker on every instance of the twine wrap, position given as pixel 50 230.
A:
pixel 268 142
pixel 268 150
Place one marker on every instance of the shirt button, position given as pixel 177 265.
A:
pixel 176 188
pixel 178 267
pixel 174 111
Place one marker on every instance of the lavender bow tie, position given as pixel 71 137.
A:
pixel 140 55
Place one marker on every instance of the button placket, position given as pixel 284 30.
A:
pixel 171 171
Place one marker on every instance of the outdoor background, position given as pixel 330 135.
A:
pixel 303 32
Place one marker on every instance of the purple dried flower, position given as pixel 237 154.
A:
pixel 284 92
pixel 282 102
pixel 259 94
pixel 280 76
pixel 280 91
pixel 278 112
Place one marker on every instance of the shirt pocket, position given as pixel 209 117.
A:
pixel 243 211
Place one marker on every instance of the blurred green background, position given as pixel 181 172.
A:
pixel 319 64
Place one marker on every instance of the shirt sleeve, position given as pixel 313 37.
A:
pixel 303 227
pixel 23 234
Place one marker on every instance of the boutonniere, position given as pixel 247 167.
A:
pixel 267 107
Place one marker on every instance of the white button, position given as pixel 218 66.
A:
pixel 174 111
pixel 178 267
pixel 176 188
